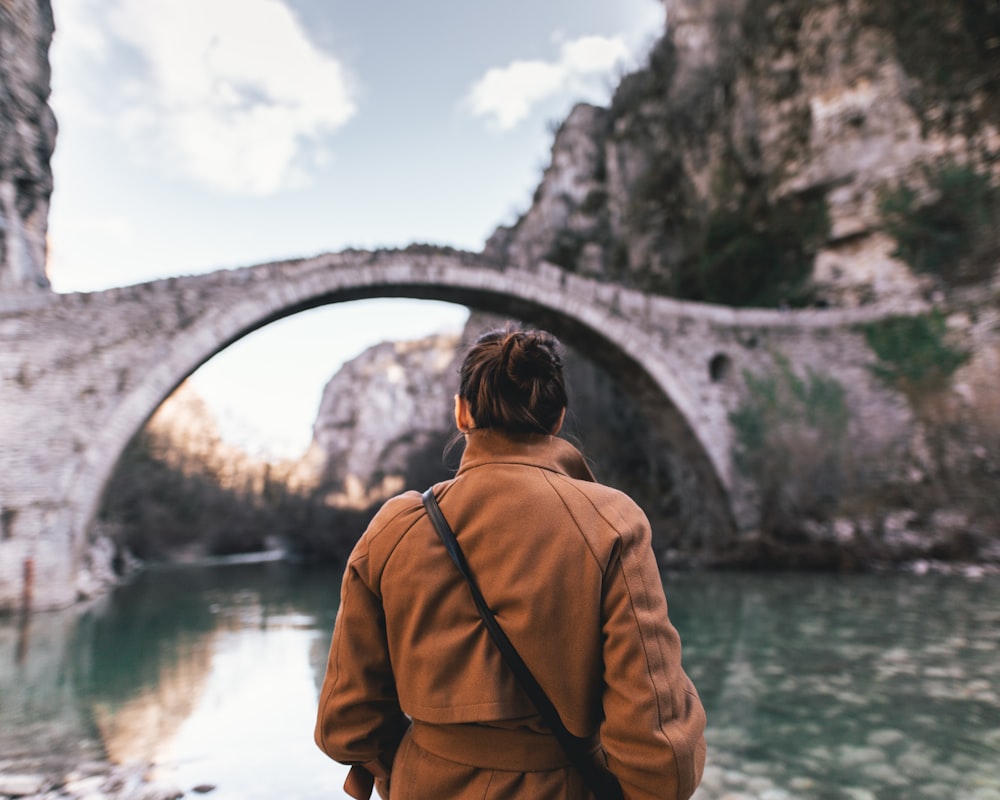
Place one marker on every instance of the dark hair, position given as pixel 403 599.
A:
pixel 513 381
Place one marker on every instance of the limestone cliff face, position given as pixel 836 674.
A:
pixel 384 420
pixel 27 138
pixel 759 145
pixel 840 153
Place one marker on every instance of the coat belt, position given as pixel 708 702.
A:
pixel 511 749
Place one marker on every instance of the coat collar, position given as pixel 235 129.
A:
pixel 536 450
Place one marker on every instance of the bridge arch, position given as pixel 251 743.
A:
pixel 585 314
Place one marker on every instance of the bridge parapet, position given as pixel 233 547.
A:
pixel 81 373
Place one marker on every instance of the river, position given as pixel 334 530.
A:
pixel 861 687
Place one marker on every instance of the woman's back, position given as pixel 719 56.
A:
pixel 416 689
pixel 538 550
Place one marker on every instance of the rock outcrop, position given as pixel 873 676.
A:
pixel 384 421
pixel 755 160
pixel 789 153
pixel 27 139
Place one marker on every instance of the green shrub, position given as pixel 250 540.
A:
pixel 952 235
pixel 913 355
pixel 760 254
pixel 595 201
pixel 948 48
pixel 566 249
pixel 649 84
pixel 791 442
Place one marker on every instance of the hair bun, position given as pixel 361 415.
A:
pixel 513 380
pixel 528 355
pixel 532 357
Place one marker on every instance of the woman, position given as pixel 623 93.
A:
pixel 417 697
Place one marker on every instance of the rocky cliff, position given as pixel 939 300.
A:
pixel 785 152
pixel 27 138
pixel 384 421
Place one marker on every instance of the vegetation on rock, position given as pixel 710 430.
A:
pixel 161 510
pixel 949 232
pixel 913 354
pixel 951 48
pixel 760 253
pixel 792 442
pixel 180 492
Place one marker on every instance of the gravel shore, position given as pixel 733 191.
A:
pixel 46 762
pixel 92 780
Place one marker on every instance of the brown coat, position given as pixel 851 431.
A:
pixel 566 565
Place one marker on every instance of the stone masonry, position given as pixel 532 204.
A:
pixel 81 373
pixel 27 137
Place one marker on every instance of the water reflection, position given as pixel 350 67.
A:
pixel 852 688
pixel 211 674
pixel 41 723
pixel 254 719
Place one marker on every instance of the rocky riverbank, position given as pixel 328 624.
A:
pixel 91 780
pixel 47 761
pixel 52 761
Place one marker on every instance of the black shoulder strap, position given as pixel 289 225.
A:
pixel 601 782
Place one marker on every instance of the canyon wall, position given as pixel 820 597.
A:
pixel 773 153
pixel 843 153
pixel 384 421
pixel 765 155
pixel 27 139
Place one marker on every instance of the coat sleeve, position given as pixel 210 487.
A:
pixel 359 721
pixel 653 730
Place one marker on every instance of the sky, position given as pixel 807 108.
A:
pixel 196 135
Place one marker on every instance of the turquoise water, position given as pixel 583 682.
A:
pixel 816 686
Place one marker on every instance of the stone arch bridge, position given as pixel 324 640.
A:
pixel 81 373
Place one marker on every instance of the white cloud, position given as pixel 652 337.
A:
pixel 507 95
pixel 78 26
pixel 229 93
pixel 89 233
pixel 78 46
pixel 593 54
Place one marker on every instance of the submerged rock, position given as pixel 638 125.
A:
pixel 91 780
pixel 23 785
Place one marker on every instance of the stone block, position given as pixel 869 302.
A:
pixel 22 785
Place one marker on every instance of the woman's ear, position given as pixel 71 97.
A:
pixel 463 417
pixel 558 426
